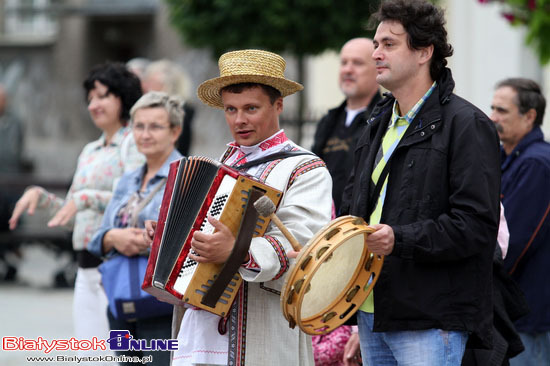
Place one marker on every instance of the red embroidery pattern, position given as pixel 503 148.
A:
pixel 283 259
pixel 241 327
pixel 304 168
pixel 268 169
pixel 228 153
pixel 251 263
pixel 240 159
pixel 274 141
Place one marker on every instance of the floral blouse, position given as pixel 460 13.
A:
pixel 98 170
pixel 328 349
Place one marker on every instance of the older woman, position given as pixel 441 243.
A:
pixel 156 125
pixel 111 90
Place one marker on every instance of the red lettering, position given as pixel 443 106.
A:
pixel 62 345
pixel 49 346
pixel 99 344
pixel 29 345
pixel 9 343
pixel 85 345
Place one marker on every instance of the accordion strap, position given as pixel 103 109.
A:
pixel 240 250
pixel 271 157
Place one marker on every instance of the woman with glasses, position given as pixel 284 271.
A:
pixel 156 126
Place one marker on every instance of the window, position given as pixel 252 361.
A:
pixel 29 19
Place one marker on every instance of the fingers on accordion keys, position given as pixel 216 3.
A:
pixel 265 207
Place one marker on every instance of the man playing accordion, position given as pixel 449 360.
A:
pixel 250 90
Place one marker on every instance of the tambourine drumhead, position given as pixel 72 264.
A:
pixel 331 278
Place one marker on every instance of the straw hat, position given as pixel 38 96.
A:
pixel 247 66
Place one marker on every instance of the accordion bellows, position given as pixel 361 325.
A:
pixel 197 187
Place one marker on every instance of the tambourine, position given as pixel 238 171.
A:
pixel 332 276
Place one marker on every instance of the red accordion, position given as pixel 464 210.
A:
pixel 197 187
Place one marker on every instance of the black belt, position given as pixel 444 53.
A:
pixel 85 259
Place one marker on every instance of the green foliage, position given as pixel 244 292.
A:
pixel 535 15
pixel 539 31
pixel 300 27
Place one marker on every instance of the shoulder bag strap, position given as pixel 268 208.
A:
pixel 271 157
pixel 531 239
pixel 378 188
pixel 145 201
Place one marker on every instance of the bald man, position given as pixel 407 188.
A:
pixel 339 129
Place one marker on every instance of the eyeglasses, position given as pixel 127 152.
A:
pixel 153 127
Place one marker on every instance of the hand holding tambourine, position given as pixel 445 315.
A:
pixel 332 276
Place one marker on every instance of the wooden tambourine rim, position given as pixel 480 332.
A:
pixel 338 311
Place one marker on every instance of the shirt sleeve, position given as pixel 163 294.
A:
pixel 305 208
pixel 251 264
pixel 49 201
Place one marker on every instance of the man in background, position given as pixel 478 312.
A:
pixel 517 111
pixel 339 129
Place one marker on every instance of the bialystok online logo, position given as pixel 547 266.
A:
pixel 119 340
pixel 122 340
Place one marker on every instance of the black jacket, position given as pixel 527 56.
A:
pixel 442 201
pixel 339 160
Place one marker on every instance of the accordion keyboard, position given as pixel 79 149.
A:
pixel 215 210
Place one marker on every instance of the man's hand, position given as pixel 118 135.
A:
pixel 212 248
pixel 292 254
pixel 64 215
pixel 381 242
pixel 27 202
pixel 128 241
